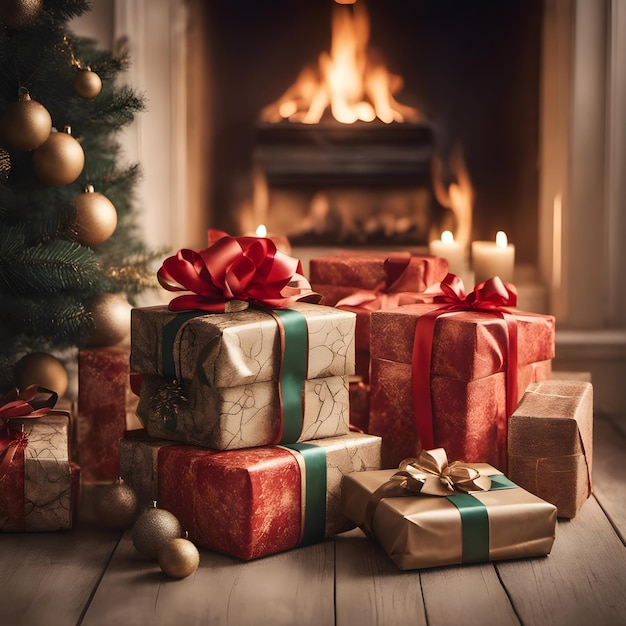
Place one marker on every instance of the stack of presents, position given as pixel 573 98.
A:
pixel 271 419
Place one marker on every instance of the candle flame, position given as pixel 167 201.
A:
pixel 447 237
pixel 261 230
pixel 501 239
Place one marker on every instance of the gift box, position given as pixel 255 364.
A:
pixel 359 405
pixel 106 409
pixel 366 281
pixel 39 485
pixel 451 378
pixel 550 443
pixel 423 518
pixel 246 378
pixel 254 502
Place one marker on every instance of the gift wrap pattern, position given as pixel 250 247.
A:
pixel 254 502
pixel 218 380
pixel 468 380
pixel 422 531
pixel 36 492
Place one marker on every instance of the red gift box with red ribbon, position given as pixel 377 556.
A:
pixel 367 281
pixel 39 485
pixel 449 374
pixel 254 502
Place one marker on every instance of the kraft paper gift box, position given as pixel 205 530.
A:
pixel 39 485
pixel 470 385
pixel 371 280
pixel 551 443
pixel 223 380
pixel 106 409
pixel 254 502
pixel 422 531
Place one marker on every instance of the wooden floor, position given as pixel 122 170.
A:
pixel 88 576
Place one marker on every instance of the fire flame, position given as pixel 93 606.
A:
pixel 348 81
pixel 458 196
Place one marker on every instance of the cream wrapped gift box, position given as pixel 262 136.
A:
pixel 222 380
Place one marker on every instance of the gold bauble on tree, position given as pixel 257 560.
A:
pixel 110 313
pixel 43 369
pixel 179 558
pixel 20 14
pixel 26 124
pixel 59 160
pixel 87 84
pixel 153 529
pixel 116 505
pixel 96 217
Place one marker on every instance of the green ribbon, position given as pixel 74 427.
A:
pixel 293 372
pixel 475 521
pixel 168 341
pixel 315 499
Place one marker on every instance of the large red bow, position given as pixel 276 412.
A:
pixel 491 296
pixel 250 269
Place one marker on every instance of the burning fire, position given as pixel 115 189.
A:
pixel 348 81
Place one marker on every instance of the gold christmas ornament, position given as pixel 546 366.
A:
pixel 59 160
pixel 26 123
pixel 20 14
pixel 116 505
pixel 153 529
pixel 111 316
pixel 179 558
pixel 96 217
pixel 87 83
pixel 43 369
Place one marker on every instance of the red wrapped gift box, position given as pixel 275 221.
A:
pixel 369 281
pixel 254 502
pixel 106 408
pixel 39 486
pixel 466 383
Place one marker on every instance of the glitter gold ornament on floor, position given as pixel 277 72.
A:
pixel 26 124
pixel 96 217
pixel 43 369
pixel 110 313
pixel 179 558
pixel 153 529
pixel 116 505
pixel 87 84
pixel 59 160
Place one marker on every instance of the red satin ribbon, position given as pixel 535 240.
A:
pixel 10 444
pixel 492 296
pixel 31 402
pixel 389 292
pixel 234 268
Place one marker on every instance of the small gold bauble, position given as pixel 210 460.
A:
pixel 59 160
pixel 111 317
pixel 20 14
pixel 26 124
pixel 179 558
pixel 116 505
pixel 153 529
pixel 87 84
pixel 43 369
pixel 96 217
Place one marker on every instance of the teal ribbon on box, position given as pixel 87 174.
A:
pixel 314 481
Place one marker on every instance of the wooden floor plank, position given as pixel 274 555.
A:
pixel 47 578
pixel 370 590
pixel 283 589
pixel 608 471
pixel 580 583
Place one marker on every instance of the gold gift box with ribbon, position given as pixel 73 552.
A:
pixel 429 513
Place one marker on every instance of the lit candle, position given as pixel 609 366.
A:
pixel 493 258
pixel 450 250
pixel 281 242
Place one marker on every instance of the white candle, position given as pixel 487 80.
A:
pixel 450 250
pixel 491 259
pixel 282 243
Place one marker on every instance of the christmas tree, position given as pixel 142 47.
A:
pixel 71 256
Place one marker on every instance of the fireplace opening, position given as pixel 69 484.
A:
pixel 461 154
